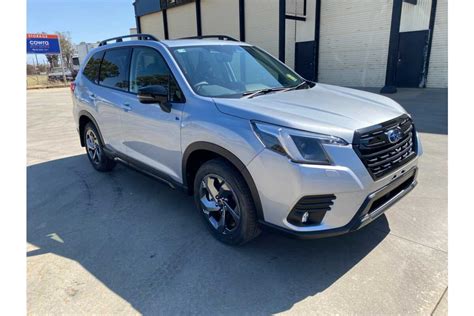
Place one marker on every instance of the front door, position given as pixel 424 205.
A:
pixel 305 58
pixel 412 59
pixel 151 135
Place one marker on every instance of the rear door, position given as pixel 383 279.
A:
pixel 109 99
pixel 152 136
pixel 86 85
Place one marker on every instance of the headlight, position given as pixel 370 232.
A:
pixel 299 146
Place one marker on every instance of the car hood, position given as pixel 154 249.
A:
pixel 323 109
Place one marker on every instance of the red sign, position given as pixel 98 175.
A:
pixel 30 35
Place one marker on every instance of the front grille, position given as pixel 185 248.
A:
pixel 315 205
pixel 379 153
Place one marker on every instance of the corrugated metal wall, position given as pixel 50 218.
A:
pixel 354 42
pixel 298 31
pixel 153 24
pixel 220 17
pixel 291 27
pixel 438 67
pixel 415 17
pixel 261 24
pixel 182 21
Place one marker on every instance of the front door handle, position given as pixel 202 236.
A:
pixel 126 107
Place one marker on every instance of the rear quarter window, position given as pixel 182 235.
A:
pixel 91 71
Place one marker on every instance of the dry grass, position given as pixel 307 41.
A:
pixel 41 81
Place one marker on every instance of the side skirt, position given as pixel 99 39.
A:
pixel 145 169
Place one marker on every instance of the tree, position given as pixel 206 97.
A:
pixel 42 67
pixel 30 69
pixel 52 60
pixel 67 48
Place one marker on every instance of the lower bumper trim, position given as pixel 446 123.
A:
pixel 374 205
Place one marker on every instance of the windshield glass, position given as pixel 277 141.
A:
pixel 232 71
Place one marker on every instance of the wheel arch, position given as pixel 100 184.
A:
pixel 199 152
pixel 84 118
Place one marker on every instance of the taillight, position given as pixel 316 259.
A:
pixel 72 86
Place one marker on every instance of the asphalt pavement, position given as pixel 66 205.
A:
pixel 123 243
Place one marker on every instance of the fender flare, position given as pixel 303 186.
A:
pixel 89 116
pixel 234 160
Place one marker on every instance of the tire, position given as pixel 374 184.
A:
pixel 95 149
pixel 219 185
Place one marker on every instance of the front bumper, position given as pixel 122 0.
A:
pixel 374 205
pixel 282 183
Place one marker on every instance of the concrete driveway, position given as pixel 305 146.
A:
pixel 122 243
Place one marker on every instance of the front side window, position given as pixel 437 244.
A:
pixel 114 69
pixel 232 70
pixel 91 70
pixel 148 68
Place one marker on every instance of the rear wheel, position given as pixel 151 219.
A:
pixel 95 149
pixel 225 201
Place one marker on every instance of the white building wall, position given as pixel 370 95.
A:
pixel 261 24
pixel 354 42
pixel 220 17
pixel 182 21
pixel 153 24
pixel 438 67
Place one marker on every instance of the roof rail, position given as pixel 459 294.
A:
pixel 119 39
pixel 219 37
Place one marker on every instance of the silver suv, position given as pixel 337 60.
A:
pixel 255 143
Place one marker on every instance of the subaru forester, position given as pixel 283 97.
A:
pixel 254 142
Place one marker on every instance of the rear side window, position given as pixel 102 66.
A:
pixel 91 71
pixel 114 69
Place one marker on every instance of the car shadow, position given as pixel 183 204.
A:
pixel 147 243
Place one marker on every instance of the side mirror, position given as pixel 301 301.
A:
pixel 155 94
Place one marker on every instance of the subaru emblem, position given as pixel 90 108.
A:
pixel 394 135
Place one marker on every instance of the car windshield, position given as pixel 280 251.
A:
pixel 232 71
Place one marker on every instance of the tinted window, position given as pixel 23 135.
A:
pixel 91 71
pixel 149 68
pixel 114 69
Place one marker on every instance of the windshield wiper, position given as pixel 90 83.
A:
pixel 251 94
pixel 297 86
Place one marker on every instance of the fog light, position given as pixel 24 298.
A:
pixel 304 218
pixel 310 210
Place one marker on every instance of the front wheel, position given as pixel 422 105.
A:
pixel 95 149
pixel 225 202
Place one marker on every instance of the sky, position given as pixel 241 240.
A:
pixel 85 20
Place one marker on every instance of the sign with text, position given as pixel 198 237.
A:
pixel 42 44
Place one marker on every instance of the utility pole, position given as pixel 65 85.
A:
pixel 36 57
pixel 62 61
